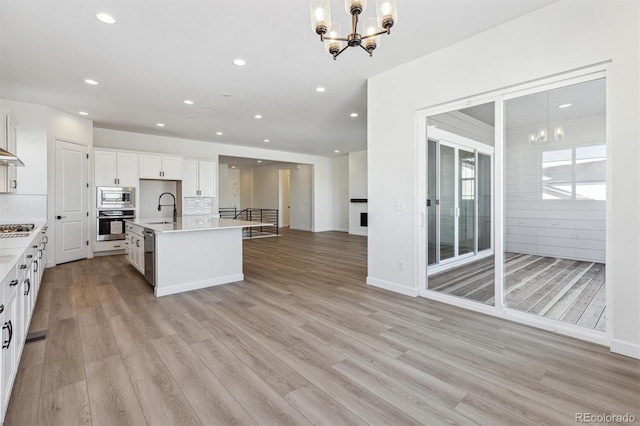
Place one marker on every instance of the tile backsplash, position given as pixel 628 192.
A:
pixel 197 206
pixel 16 208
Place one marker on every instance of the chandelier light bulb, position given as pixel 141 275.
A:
pixel 320 16
pixel 387 12
pixel 355 6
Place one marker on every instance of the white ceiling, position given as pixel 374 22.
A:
pixel 161 52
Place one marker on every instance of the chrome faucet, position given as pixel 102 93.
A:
pixel 175 210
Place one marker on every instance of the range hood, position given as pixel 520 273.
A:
pixel 8 159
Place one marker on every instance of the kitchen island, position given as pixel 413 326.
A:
pixel 192 253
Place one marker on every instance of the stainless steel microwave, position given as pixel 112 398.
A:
pixel 115 197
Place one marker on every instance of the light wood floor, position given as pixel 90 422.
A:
pixel 566 290
pixel 301 341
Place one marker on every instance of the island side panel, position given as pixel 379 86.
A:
pixel 197 259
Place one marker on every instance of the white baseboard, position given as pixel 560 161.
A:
pixel 340 229
pixel 362 234
pixel 625 348
pixel 396 288
pixel 295 228
pixel 195 285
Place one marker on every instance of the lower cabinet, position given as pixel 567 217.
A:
pixel 9 347
pixel 135 246
pixel 19 292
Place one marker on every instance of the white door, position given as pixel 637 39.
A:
pixel 71 202
pixel 285 197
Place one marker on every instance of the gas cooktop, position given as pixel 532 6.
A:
pixel 16 230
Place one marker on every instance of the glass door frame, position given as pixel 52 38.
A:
pixel 468 145
pixel 499 96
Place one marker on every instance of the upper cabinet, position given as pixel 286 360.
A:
pixel 8 142
pixel 198 178
pixel 116 168
pixel 160 167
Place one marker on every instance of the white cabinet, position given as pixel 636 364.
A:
pixel 8 142
pixel 198 178
pixel 160 167
pixel 9 338
pixel 116 168
pixel 135 246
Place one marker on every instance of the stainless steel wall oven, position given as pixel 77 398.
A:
pixel 110 224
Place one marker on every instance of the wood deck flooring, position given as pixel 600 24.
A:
pixel 566 290
pixel 302 340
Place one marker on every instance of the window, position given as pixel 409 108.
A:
pixel 577 173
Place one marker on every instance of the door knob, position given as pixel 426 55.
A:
pixel 60 217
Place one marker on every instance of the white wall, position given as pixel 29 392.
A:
pixel 321 217
pixel 150 190
pixel 516 52
pixel 357 189
pixel 246 188
pixel 341 193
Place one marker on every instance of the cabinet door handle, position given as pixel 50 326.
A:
pixel 8 326
pixel 35 266
pixel 13 283
pixel 137 243
pixel 29 256
pixel 28 283
pixel 1 309
pixel 39 254
pixel 15 184
pixel 23 266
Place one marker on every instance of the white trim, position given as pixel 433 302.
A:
pixel 609 260
pixel 195 285
pixel 341 229
pixel 469 304
pixel 625 348
pixel 396 288
pixel 564 328
pixel 358 233
pixel 468 258
pixel 295 228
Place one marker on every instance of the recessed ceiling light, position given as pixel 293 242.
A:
pixel 320 89
pixel 160 124
pixel 432 126
pixel 106 18
pixel 267 140
pixel 83 113
pixel 336 151
pixel 226 95
pixel 188 102
pixel 564 105
pixel 259 161
pixel 219 133
pixel 91 82
pixel 233 167
pixel 353 114
pixel 258 116
pixel 239 62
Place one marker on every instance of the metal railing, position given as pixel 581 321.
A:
pixel 254 215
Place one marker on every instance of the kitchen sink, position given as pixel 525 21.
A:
pixel 158 223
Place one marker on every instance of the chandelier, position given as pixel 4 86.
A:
pixel 329 32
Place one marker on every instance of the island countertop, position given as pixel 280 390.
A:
pixel 193 223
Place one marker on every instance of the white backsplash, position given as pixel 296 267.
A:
pixel 150 190
pixel 197 206
pixel 22 208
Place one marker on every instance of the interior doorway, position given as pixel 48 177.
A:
pixel 71 214
pixel 284 182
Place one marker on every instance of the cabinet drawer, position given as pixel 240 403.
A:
pixel 110 245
